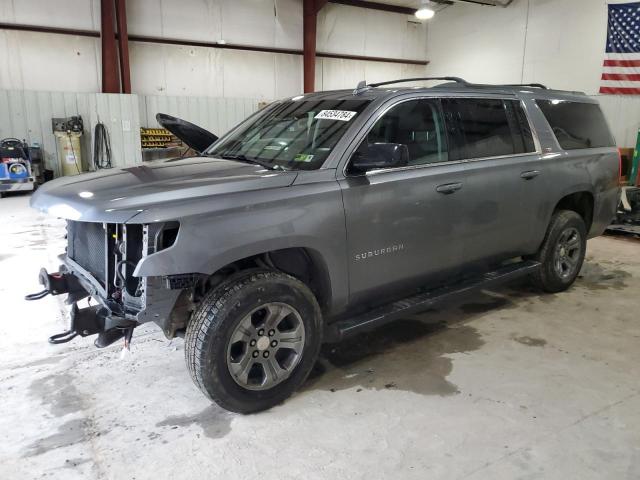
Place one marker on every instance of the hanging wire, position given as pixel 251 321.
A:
pixel 75 158
pixel 101 147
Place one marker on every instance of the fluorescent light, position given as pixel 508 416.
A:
pixel 424 12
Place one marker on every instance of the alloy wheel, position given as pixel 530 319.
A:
pixel 567 253
pixel 266 346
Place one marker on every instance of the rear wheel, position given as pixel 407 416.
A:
pixel 253 340
pixel 562 252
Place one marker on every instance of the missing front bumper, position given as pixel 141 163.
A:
pixel 92 320
pixel 95 320
pixel 109 319
pixel 84 322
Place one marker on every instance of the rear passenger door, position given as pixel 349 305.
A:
pixel 504 184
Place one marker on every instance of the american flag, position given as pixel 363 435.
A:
pixel 621 73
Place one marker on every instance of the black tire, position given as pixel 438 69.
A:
pixel 549 277
pixel 218 316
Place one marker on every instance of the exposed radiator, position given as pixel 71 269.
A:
pixel 87 246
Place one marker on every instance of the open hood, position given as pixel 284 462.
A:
pixel 195 137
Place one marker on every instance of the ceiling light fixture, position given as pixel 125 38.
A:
pixel 424 12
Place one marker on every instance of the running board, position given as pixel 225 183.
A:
pixel 422 301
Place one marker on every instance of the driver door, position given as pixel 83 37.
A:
pixel 403 228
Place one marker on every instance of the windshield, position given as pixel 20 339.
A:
pixel 295 135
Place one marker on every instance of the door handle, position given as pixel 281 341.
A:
pixel 448 188
pixel 528 175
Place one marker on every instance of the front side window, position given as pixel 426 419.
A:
pixel 577 125
pixel 295 135
pixel 416 124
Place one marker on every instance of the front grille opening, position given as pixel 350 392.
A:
pixel 110 252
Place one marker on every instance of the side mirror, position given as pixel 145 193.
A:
pixel 379 155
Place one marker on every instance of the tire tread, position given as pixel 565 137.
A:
pixel 542 278
pixel 203 329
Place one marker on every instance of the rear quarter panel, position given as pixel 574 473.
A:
pixel 604 172
pixel 570 171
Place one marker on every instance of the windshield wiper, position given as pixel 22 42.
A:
pixel 243 158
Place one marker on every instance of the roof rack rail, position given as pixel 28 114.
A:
pixel 402 80
pixel 534 85
pixel 362 86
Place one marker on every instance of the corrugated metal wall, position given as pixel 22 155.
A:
pixel 27 115
pixel 217 115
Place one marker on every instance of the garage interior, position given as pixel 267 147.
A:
pixel 508 383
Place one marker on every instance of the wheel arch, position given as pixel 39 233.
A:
pixel 582 202
pixel 305 263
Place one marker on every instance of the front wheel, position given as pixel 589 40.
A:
pixel 253 340
pixel 562 252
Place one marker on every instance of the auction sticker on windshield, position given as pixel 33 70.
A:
pixel 342 115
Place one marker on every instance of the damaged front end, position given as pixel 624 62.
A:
pixel 99 265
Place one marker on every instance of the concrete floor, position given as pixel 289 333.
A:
pixel 510 385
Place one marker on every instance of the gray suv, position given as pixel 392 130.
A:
pixel 328 214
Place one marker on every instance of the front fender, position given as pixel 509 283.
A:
pixel 305 216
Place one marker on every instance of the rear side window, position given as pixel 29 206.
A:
pixel 577 125
pixel 480 128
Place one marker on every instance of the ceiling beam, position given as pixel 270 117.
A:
pixel 410 11
pixel 44 29
pixel 200 43
pixel 486 3
pixel 376 6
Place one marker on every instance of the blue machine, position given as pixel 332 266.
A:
pixel 16 173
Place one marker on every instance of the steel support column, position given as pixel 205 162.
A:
pixel 310 9
pixel 110 82
pixel 123 46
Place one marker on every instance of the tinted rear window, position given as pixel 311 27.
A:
pixel 480 128
pixel 577 125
